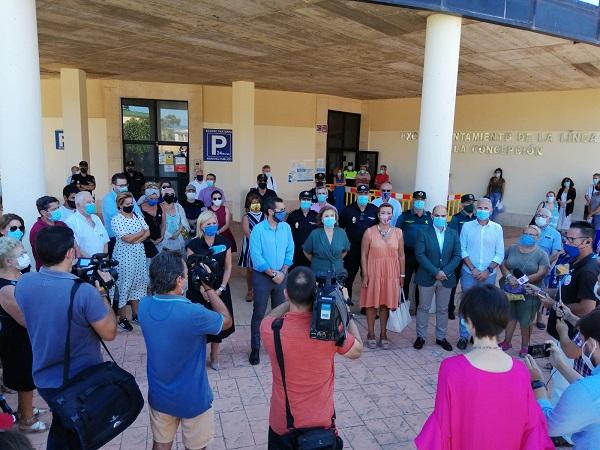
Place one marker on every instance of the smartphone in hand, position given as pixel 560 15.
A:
pixel 539 350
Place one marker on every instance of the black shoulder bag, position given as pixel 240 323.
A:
pixel 99 402
pixel 316 438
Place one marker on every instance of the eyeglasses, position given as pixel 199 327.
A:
pixel 279 210
pixel 571 240
pixel 122 185
pixel 386 190
pixel 15 228
pixel 165 187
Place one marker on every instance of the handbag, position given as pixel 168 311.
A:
pixel 399 318
pixel 99 402
pixel 500 206
pixel 149 248
pixel 316 438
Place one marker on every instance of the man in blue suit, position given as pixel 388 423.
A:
pixel 437 250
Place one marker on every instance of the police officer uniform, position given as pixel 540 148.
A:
pixel 320 181
pixel 355 222
pixel 135 179
pixel 301 226
pixel 410 223
pixel 457 222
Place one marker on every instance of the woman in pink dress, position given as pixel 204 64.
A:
pixel 382 271
pixel 484 399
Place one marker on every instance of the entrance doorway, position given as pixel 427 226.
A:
pixel 156 138
pixel 343 137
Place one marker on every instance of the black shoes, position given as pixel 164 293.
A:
pixel 451 315
pixel 254 358
pixel 444 344
pixel 419 343
pixel 462 343
pixel 124 324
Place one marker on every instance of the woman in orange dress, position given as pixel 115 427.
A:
pixel 382 271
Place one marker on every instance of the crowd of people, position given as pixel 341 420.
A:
pixel 418 255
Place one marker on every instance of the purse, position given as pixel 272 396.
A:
pixel 316 438
pixel 399 318
pixel 99 402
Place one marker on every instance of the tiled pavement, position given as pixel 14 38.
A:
pixel 381 399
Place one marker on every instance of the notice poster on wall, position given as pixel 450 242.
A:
pixel 301 171
pixel 320 165
pixel 169 168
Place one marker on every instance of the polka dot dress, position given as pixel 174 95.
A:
pixel 133 273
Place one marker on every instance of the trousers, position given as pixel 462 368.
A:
pixel 263 288
pixel 442 296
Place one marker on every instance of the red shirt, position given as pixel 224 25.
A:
pixel 35 229
pixel 309 373
pixel 381 178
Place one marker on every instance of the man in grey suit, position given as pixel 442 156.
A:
pixel 437 250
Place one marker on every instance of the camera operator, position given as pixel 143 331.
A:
pixel 44 299
pixel 175 332
pixel 308 363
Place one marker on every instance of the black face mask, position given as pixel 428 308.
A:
pixel 262 185
pixel 71 204
pixel 199 177
pixel 130 169
pixel 320 183
pixel 128 209
pixel 169 198
pixel 83 170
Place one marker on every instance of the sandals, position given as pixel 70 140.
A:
pixel 372 344
pixel 249 296
pixel 523 352
pixel 32 426
pixel 540 325
pixel 505 345
pixel 385 344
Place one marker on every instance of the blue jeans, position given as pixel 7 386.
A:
pixel 59 438
pixel 263 288
pixel 495 197
pixel 467 282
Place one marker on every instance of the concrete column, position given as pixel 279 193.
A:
pixel 440 73
pixel 243 176
pixel 73 95
pixel 21 145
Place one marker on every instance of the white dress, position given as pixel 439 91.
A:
pixel 132 269
pixel 564 221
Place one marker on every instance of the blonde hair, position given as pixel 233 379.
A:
pixel 122 196
pixel 202 219
pixel 7 246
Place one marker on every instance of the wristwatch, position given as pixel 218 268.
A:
pixel 221 288
pixel 537 384
pixel 275 273
pixel 491 270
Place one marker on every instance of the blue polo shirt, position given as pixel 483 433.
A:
pixel 44 299
pixel 175 332
pixel 109 210
pixel 271 248
pixel 550 240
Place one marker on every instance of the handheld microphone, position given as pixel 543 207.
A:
pixel 521 277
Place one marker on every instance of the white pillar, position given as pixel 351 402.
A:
pixel 242 111
pixel 73 96
pixel 21 144
pixel 436 127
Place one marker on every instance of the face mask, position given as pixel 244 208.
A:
pixel 255 207
pixel 381 171
pixel 211 230
pixel 541 222
pixel 279 216
pixel 123 188
pixel 527 240
pixel 152 201
pixel 169 198
pixel 329 222
pixel 305 204
pixel 550 198
pixel 362 171
pixel 130 169
pixel 587 359
pixel 23 261
pixel 128 209
pixel 483 214
pixel 90 208
pixel 199 177
pixel 497 174
pixel 210 183
pixel 217 202
pixel 76 172
pixel 268 174
pixel 419 204
pixel 55 215
pixel 83 170
pixel 595 180
pixel 571 250
pixel 191 196
pixel 339 174
pixel 17 234
pixel 71 204
pixel 320 183
pixel 321 198
pixel 386 196
pixel 440 222
pixel 362 200
pixel 350 168
pixel 262 185
pixel 470 208
pixel 567 184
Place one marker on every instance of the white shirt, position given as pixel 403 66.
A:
pixel 272 184
pixel 90 240
pixel 482 244
pixel 199 185
pixel 396 207
pixel 65 213
pixel 440 236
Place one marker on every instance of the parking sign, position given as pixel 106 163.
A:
pixel 218 145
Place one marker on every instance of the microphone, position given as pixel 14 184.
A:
pixel 521 277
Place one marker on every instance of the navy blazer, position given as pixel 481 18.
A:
pixel 427 252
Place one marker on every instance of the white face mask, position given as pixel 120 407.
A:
pixel 23 261
pixel 217 202
pixel 190 196
pixel 550 198
pixel 541 221
pixel 587 359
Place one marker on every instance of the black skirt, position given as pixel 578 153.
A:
pixel 16 356
pixel 196 297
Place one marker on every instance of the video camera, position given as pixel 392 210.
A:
pixel 197 263
pixel 330 315
pixel 88 270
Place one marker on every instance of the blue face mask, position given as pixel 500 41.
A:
pixel 17 234
pixel 305 204
pixel 90 208
pixel 152 201
pixel 279 216
pixel 386 196
pixel 55 215
pixel 210 183
pixel 321 198
pixel 123 189
pixel 439 222
pixel 527 240
pixel 419 204
pixel 211 230
pixel 483 214
pixel 329 222
pixel 362 200
pixel 571 250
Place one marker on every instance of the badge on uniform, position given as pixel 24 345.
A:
pixel 297 225
pixel 354 219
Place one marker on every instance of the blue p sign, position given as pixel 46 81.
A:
pixel 218 145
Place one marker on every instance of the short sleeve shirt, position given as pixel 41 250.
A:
pixel 528 263
pixel 327 256
pixel 309 373
pixel 90 239
pixel 44 298
pixel 79 179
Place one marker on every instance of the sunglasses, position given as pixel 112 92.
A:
pixel 165 187
pixel 386 190
pixel 15 228
pixel 217 198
